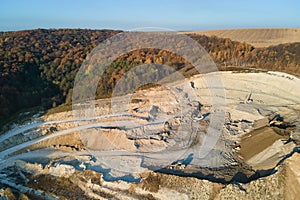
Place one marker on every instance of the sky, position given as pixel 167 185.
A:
pixel 130 14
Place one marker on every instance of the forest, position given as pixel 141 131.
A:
pixel 38 67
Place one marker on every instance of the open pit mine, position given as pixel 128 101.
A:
pixel 238 141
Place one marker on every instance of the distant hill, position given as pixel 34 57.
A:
pixel 258 37
pixel 38 67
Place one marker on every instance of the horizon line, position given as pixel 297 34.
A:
pixel 167 29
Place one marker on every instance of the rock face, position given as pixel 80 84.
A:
pixel 292 181
pixel 172 130
pixel 284 184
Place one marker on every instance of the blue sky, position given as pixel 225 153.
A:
pixel 128 14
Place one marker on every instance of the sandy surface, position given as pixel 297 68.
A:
pixel 257 37
pixel 127 135
pixel 130 142
pixel 258 140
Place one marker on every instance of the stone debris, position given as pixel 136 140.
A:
pixel 170 125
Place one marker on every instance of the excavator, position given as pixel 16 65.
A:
pixel 248 98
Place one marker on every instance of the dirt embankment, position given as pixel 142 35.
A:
pixel 257 141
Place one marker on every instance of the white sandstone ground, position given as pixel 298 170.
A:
pixel 128 140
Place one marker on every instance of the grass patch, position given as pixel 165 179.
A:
pixel 60 108
pixel 136 100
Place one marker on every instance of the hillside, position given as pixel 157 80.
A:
pixel 263 37
pixel 38 67
pixel 151 145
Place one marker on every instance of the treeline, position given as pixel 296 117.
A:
pixel 38 67
pixel 283 57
